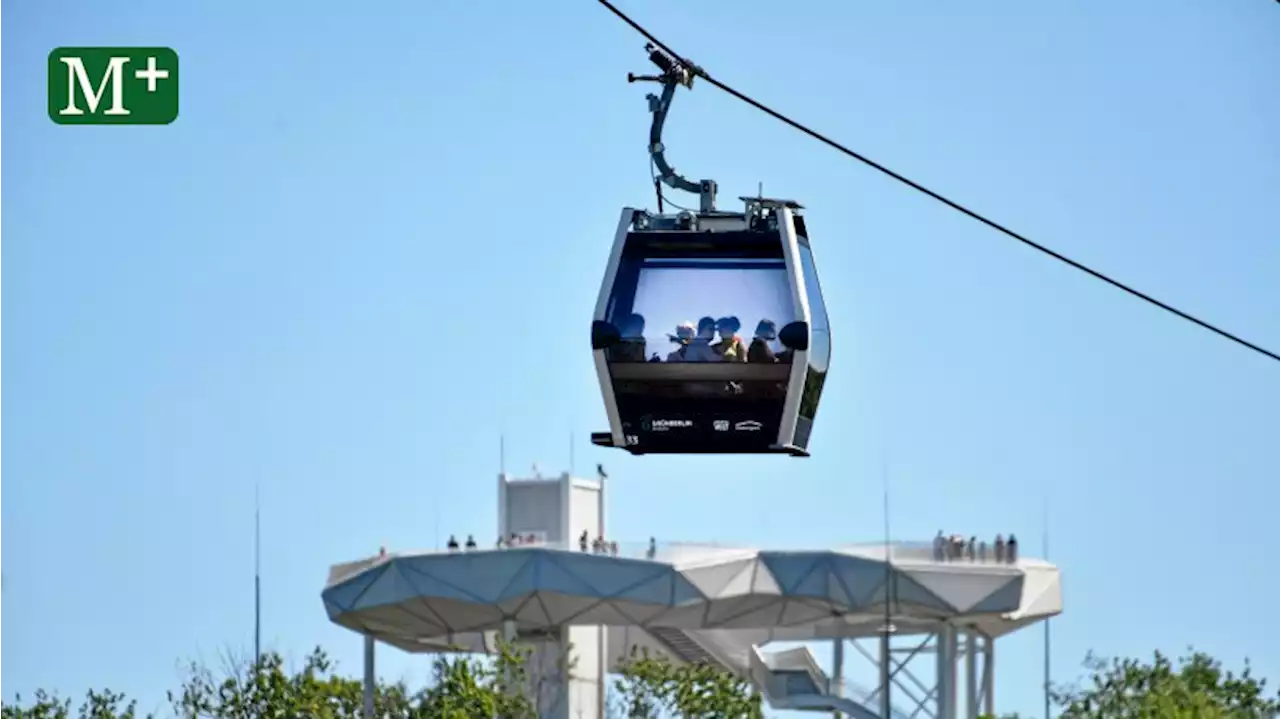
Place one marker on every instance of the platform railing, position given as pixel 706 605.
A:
pixel 661 551
pixel 982 552
pixel 913 551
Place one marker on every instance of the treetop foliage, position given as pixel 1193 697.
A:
pixel 1192 687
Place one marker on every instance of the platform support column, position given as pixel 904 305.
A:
pixel 837 670
pixel 886 671
pixel 971 674
pixel 370 677
pixel 509 637
pixel 989 676
pixel 946 656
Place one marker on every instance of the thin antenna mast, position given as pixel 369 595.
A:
pixel 572 459
pixel 886 679
pixel 257 573
pixel 1047 639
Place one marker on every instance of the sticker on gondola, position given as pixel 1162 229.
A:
pixel 749 425
pixel 721 425
pixel 662 425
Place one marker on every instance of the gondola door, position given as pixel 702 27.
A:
pixel 603 333
pixel 797 335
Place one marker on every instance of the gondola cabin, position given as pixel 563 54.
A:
pixel 710 333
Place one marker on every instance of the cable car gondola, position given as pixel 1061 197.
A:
pixel 710 333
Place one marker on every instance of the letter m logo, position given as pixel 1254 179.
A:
pixel 113 85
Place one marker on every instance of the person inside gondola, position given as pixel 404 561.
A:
pixel 683 336
pixel 453 543
pixel 695 345
pixel 632 346
pixel 761 351
pixel 471 542
pixel 730 348
pixel 700 348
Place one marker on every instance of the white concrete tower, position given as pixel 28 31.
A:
pixel 568 667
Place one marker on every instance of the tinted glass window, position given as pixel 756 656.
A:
pixel 675 297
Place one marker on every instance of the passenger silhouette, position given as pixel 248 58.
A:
pixel 1011 549
pixel 632 346
pixel 761 349
pixel 683 336
pixel 699 349
pixel 471 542
pixel 730 348
pixel 453 543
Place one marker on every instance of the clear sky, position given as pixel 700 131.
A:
pixel 373 240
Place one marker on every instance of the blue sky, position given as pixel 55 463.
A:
pixel 373 240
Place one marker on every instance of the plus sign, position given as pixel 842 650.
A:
pixel 151 74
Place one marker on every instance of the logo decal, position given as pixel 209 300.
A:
pixel 113 85
pixel 748 426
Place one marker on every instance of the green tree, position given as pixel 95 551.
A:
pixel 466 688
pixel 653 686
pixel 1193 687
pixel 1196 688
pixel 104 704
pixel 460 689
pixel 247 691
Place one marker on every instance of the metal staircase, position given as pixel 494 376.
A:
pixel 791 679
pixel 683 646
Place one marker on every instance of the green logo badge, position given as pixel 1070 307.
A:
pixel 113 85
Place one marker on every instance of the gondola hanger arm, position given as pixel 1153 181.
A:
pixel 674 74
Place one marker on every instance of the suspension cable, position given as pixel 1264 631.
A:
pixel 700 72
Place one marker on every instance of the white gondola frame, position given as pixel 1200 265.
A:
pixel 800 302
pixel 602 310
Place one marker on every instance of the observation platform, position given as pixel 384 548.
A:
pixel 426 601
pixel 705 603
